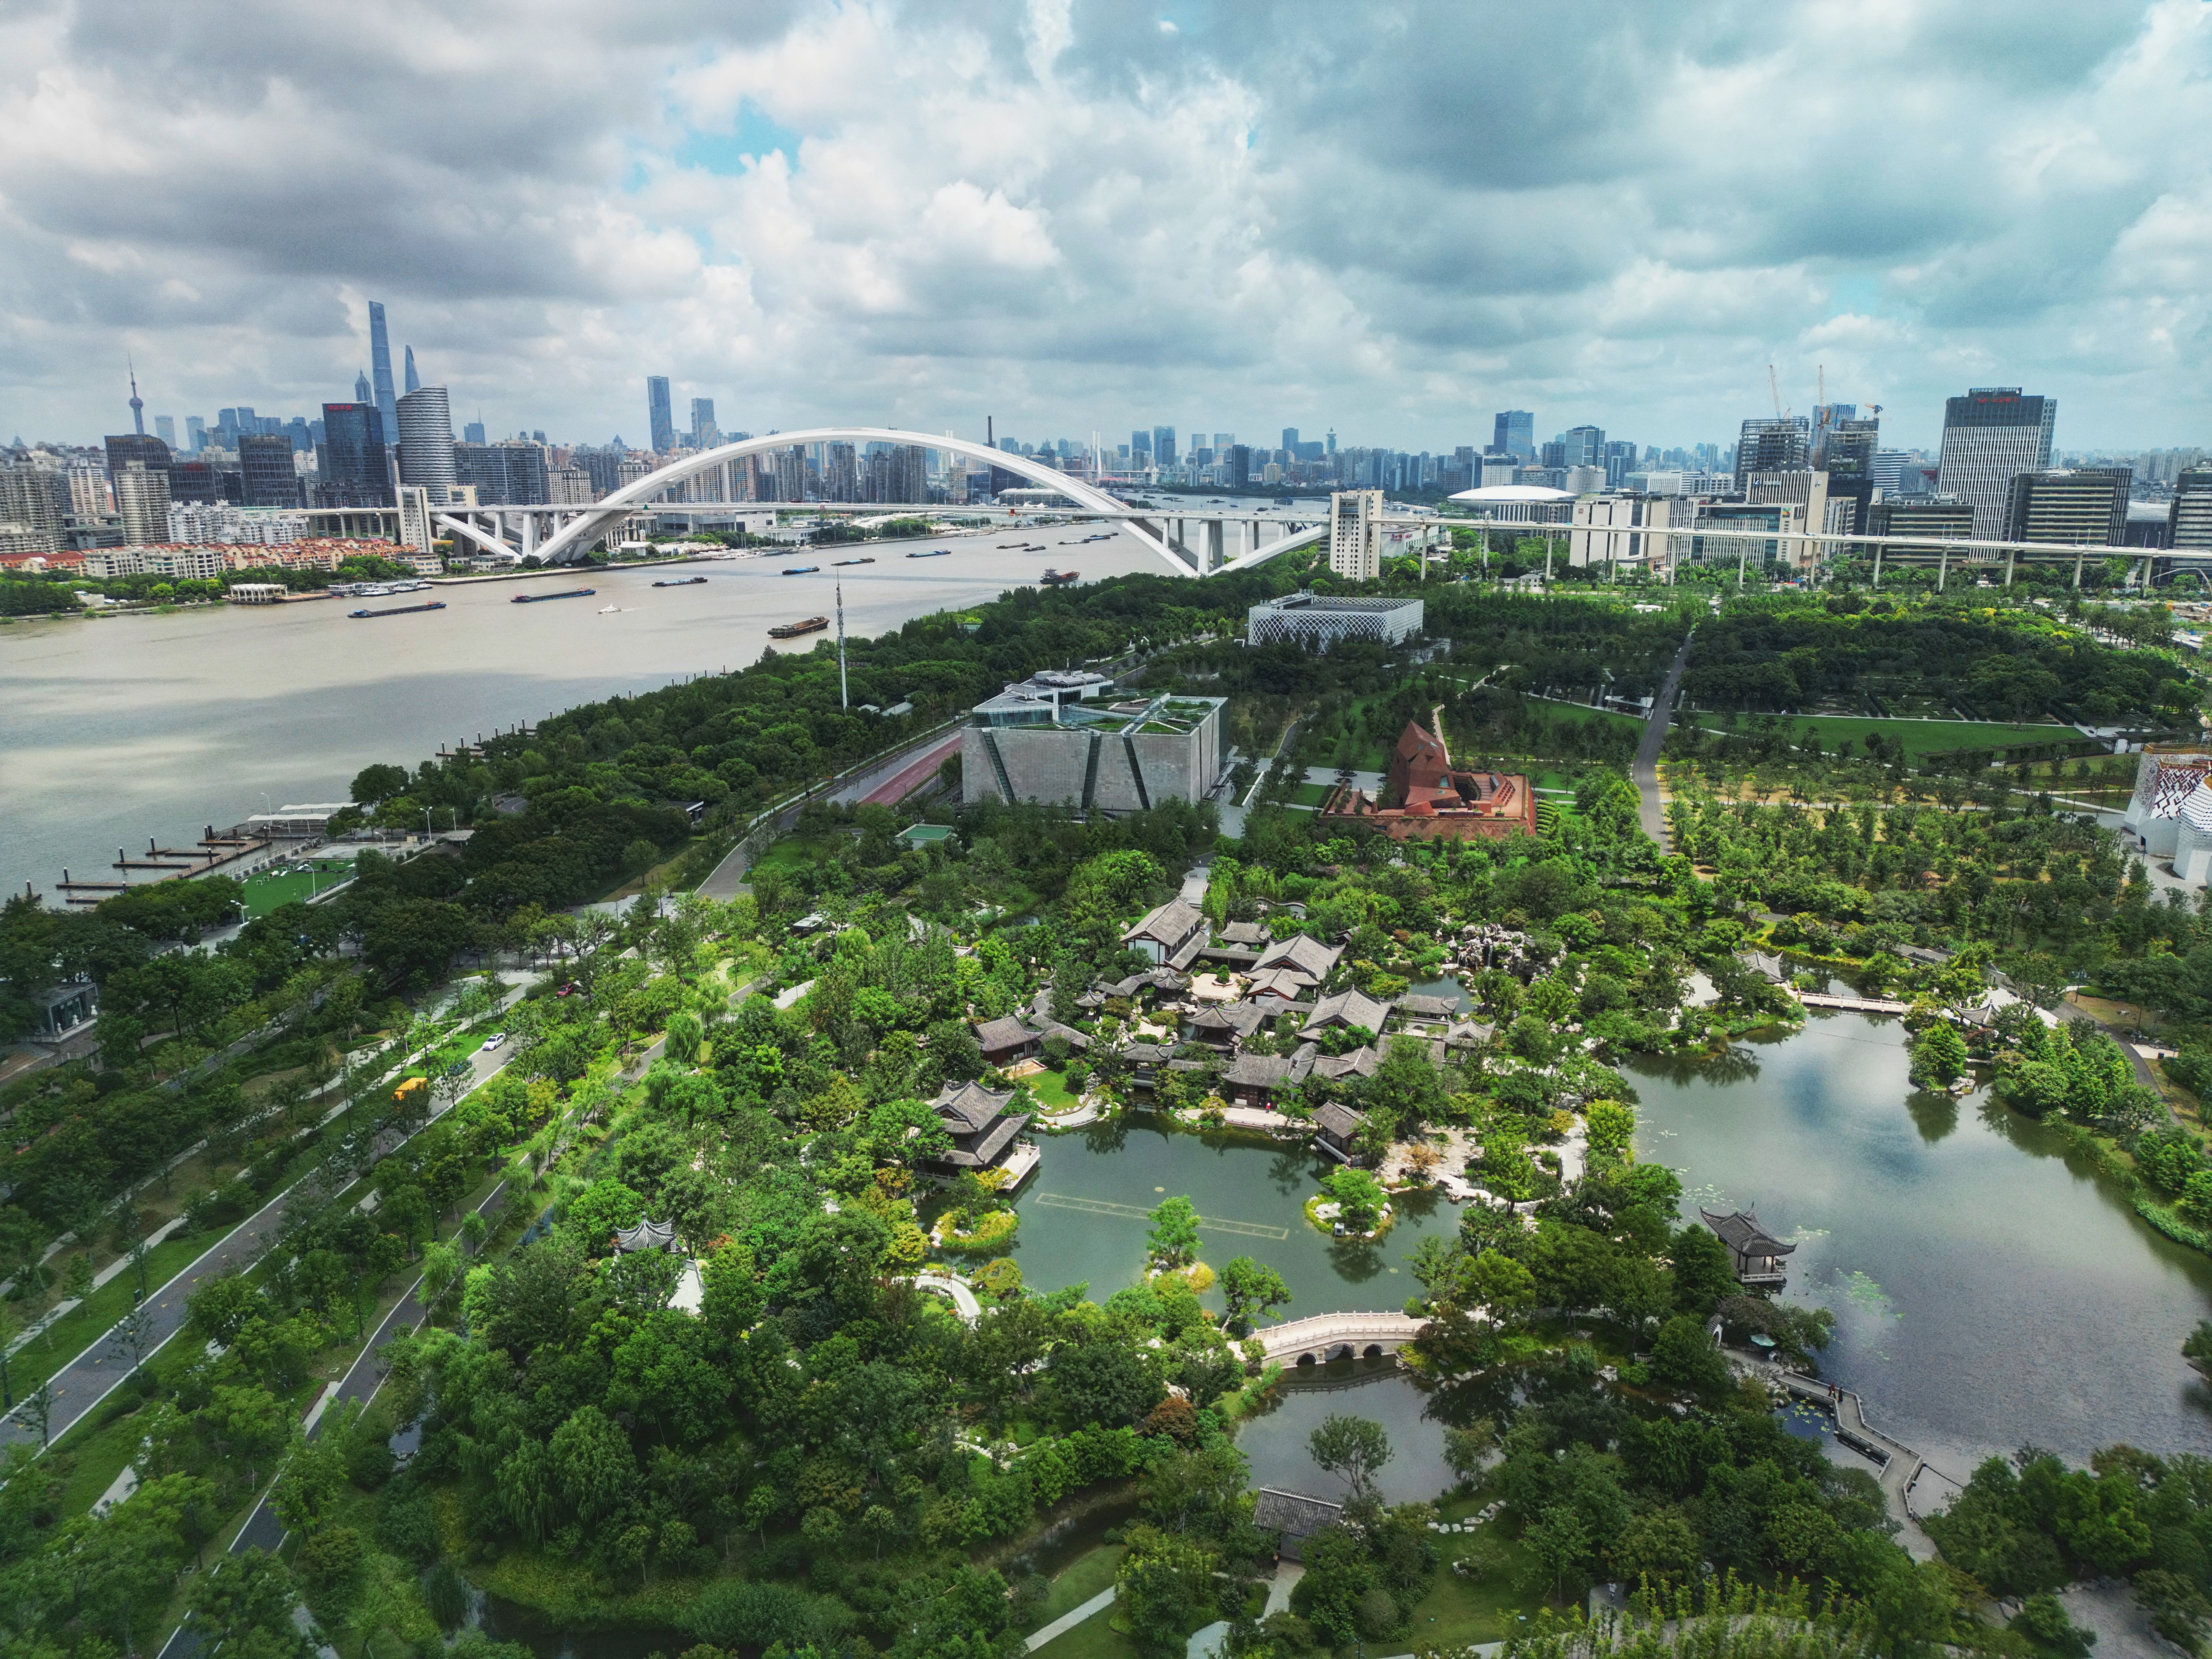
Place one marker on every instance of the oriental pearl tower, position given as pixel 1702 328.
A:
pixel 137 402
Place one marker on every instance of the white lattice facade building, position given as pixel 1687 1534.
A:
pixel 2165 781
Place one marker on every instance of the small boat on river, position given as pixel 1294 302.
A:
pixel 1058 578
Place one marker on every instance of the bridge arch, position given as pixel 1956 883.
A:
pixel 569 543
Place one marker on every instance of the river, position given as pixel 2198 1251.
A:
pixel 120 728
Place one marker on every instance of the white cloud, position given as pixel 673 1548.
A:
pixel 1075 217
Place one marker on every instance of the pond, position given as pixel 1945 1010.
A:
pixel 1084 1215
pixel 1413 1415
pixel 1988 1288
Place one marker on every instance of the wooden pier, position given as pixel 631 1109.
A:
pixel 211 856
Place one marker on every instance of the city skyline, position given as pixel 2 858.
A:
pixel 1475 211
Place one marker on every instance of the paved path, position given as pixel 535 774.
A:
pixel 1645 768
pixel 263 1531
pixel 103 1366
pixel 964 1299
pixel 910 777
pixel 1068 1621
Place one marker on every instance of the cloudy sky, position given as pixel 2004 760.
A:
pixel 1388 218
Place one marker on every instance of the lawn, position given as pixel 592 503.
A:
pixel 1083 1578
pixel 1052 1092
pixel 273 889
pixel 1458 1611
pixel 1582 711
pixel 1311 795
pixel 1094 1638
pixel 1919 737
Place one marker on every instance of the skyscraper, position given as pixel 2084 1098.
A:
pixel 1224 441
pixel 1291 441
pixel 473 432
pixel 142 498
pixel 1783 444
pixel 660 413
pixel 124 448
pixel 380 364
pixel 426 438
pixel 1826 418
pixel 1239 460
pixel 266 469
pixel 1140 447
pixel 195 433
pixel 1989 436
pixel 1515 433
pixel 704 432
pixel 2189 520
pixel 1584 445
pixel 353 467
pixel 1164 445
pixel 414 381
pixel 1352 552
pixel 29 502
pixel 165 429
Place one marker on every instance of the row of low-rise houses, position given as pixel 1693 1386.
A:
pixel 206 562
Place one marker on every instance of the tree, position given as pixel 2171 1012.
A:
pixel 1351 1449
pixel 1358 1197
pixel 1939 1056
pixel 374 785
pixel 1164 1588
pixel 1703 1271
pixel 1684 1357
pixel 1173 1240
pixel 1104 1381
pixel 245 1607
pixel 1612 1127
pixel 1253 1291
pixel 251 1424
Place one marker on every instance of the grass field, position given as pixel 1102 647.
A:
pixel 1083 1578
pixel 1051 1090
pixel 1311 795
pixel 1577 711
pixel 295 883
pixel 1919 737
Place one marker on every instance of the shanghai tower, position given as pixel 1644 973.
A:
pixel 380 364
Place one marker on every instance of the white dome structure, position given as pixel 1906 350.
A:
pixel 1519 503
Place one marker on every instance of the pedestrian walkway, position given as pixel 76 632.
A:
pixel 1651 812
pixel 1068 1621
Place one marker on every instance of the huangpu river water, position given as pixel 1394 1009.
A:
pixel 119 729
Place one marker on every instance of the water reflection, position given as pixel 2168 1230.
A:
pixel 1982 1298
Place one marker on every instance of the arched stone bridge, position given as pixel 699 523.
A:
pixel 1323 1337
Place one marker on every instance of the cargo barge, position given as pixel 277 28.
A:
pixel 565 593
pixel 399 609
pixel 793 630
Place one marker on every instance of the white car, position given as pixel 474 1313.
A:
pixel 493 1041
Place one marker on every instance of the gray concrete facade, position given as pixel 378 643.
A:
pixel 1118 757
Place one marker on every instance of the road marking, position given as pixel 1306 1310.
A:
pixel 1136 1213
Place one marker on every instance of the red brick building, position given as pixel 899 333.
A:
pixel 1434 800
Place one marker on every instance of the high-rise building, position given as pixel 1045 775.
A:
pixel 1224 441
pixel 509 473
pixel 353 468
pixel 124 447
pixel 1239 458
pixel 1516 435
pixel 360 391
pixel 1353 552
pixel 1826 418
pixel 1620 461
pixel 1783 444
pixel 379 366
pixel 1164 445
pixel 165 429
pixel 791 474
pixel 2073 505
pixel 198 483
pixel 704 435
pixel 142 498
pixel 414 381
pixel 1927 518
pixel 1140 448
pixel 426 438
pixel 1291 439
pixel 30 508
pixel 660 412
pixel 1991 436
pixel 473 432
pixel 2189 519
pixel 266 469
pixel 841 474
pixel 195 433
pixel 1583 446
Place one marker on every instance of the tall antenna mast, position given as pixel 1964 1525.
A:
pixel 137 402
pixel 844 694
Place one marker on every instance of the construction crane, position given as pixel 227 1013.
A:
pixel 1774 386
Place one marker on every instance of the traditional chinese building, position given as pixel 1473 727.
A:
pixel 1434 800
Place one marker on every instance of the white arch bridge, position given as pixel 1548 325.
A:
pixel 1190 544
pixel 1323 1337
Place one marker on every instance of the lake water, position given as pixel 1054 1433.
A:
pixel 1084 1216
pixel 114 730
pixel 1989 1290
